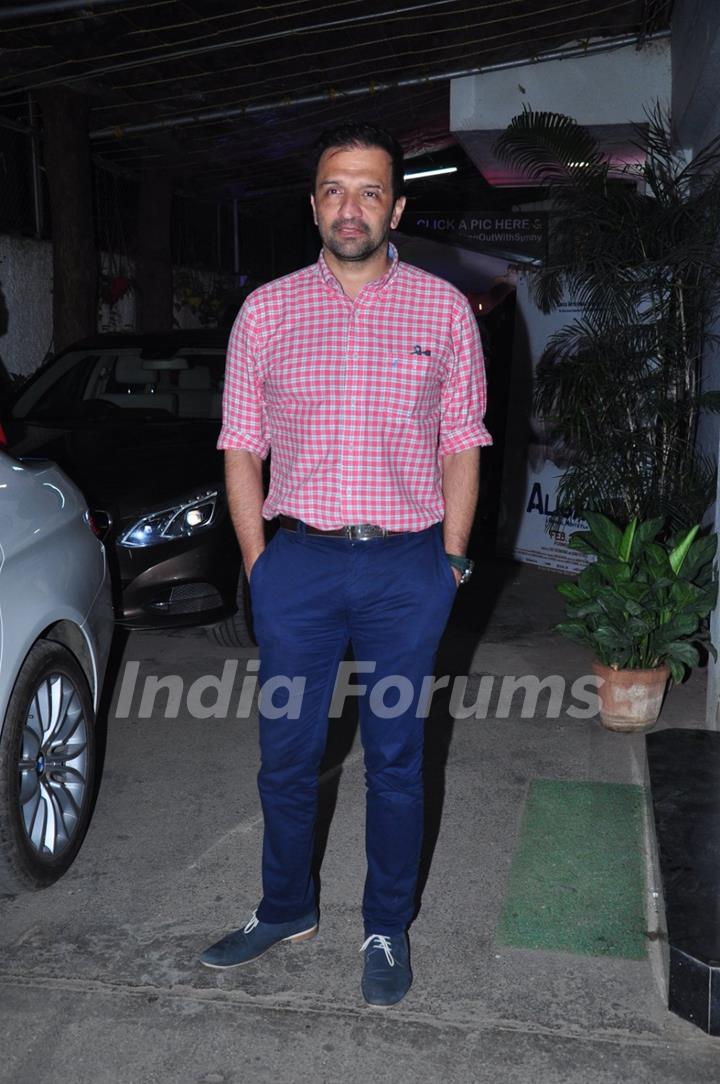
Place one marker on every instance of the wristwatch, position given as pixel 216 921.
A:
pixel 464 566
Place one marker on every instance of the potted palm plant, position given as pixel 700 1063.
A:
pixel 636 248
pixel 642 607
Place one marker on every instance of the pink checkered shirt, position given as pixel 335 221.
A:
pixel 359 401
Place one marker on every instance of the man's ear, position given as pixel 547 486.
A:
pixel 312 204
pixel 397 212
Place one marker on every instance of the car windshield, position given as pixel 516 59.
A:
pixel 98 384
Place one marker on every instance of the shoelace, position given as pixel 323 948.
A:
pixel 383 942
pixel 254 921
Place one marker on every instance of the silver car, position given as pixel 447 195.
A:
pixel 56 627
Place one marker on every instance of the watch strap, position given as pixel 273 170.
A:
pixel 463 564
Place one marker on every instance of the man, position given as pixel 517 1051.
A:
pixel 365 377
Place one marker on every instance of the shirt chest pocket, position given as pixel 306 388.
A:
pixel 407 385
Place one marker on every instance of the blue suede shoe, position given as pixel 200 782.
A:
pixel 387 976
pixel 255 938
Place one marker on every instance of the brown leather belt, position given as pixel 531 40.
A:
pixel 357 532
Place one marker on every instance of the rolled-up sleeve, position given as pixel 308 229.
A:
pixel 464 394
pixel 244 419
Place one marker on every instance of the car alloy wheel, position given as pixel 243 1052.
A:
pixel 47 769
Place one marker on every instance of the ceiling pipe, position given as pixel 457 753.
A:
pixel 53 7
pixel 207 116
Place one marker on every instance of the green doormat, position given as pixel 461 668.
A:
pixel 577 882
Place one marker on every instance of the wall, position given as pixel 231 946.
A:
pixel 696 120
pixel 26 302
pixel 26 285
pixel 481 106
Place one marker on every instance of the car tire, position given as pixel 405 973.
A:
pixel 237 630
pixel 47 769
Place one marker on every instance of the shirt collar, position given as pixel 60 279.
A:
pixel 373 287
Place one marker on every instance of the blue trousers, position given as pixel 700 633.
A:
pixel 312 597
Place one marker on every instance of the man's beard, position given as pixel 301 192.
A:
pixel 354 249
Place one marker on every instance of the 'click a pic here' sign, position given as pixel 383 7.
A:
pixel 510 234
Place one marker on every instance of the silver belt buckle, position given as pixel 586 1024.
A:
pixel 363 532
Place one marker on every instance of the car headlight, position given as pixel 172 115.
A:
pixel 182 520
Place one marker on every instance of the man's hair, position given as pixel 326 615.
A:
pixel 358 133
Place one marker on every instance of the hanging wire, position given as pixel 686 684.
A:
pixel 344 77
pixel 282 77
pixel 281 126
pixel 311 54
pixel 284 123
pixel 237 11
pixel 308 56
pixel 326 110
pixel 245 104
pixel 384 19
pixel 84 16
pixel 182 54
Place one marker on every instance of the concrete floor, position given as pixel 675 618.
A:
pixel 99 980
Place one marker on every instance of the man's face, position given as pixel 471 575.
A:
pixel 353 204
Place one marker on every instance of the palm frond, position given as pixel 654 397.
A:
pixel 620 385
pixel 549 146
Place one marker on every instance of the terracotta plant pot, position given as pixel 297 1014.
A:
pixel 630 699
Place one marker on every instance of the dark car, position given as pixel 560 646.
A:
pixel 133 420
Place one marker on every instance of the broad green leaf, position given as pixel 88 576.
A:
pixel 706 601
pixel 582 610
pixel 683 652
pixel 572 591
pixel 621 658
pixel 607 635
pixel 680 625
pixel 648 531
pixel 679 554
pixel 605 536
pixel 701 553
pixel 656 558
pixel 642 600
pixel 612 603
pixel 616 572
pixel 582 541
pixel 677 671
pixel 573 630
pixel 627 541
pixel 684 594
pixel 590 579
pixel 637 591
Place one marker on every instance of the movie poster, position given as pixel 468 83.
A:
pixel 532 528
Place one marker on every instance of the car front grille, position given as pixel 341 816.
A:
pixel 189 598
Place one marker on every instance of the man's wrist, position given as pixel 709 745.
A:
pixel 455 544
pixel 249 561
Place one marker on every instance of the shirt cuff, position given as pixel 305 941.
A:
pixel 235 440
pixel 460 440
